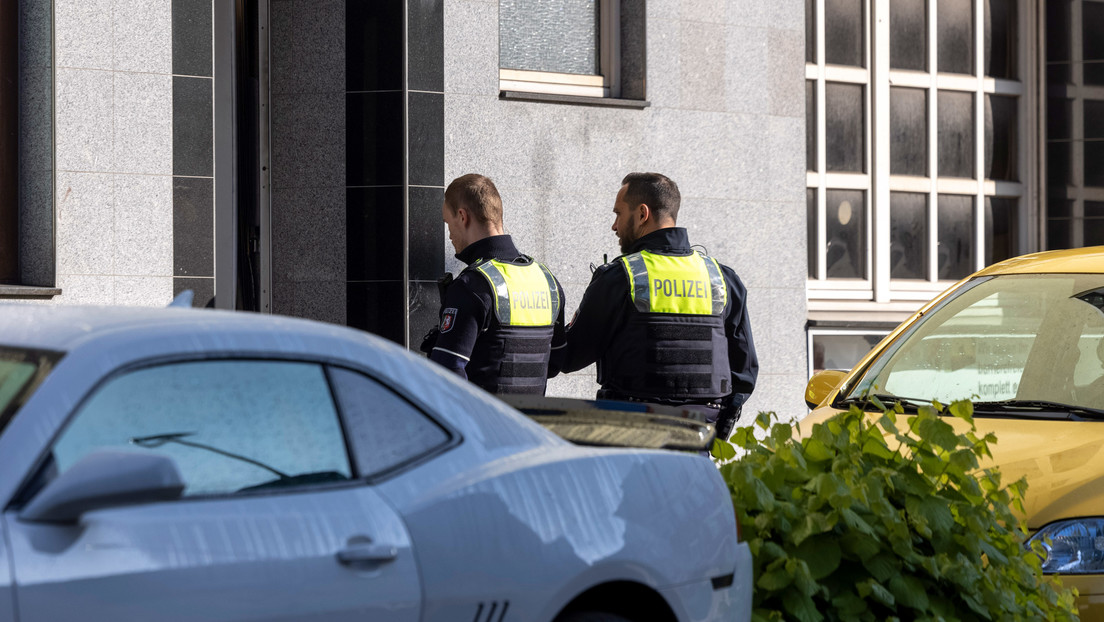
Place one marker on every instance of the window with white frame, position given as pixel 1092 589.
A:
pixel 1075 123
pixel 914 149
pixel 840 347
pixel 563 47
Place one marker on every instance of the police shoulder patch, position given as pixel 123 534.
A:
pixel 448 319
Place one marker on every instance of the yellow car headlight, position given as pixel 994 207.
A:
pixel 1074 546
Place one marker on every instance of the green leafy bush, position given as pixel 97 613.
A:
pixel 864 521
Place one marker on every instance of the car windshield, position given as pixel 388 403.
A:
pixel 21 371
pixel 1032 339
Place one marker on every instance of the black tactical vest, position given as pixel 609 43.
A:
pixel 673 347
pixel 511 356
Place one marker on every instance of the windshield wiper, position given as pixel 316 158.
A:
pixel 885 398
pixel 157 440
pixel 1020 407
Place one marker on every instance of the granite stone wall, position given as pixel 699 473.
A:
pixel 132 143
pixel 725 79
pixel 114 151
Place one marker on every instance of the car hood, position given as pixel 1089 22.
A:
pixel 1063 462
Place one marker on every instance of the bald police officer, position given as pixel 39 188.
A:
pixel 664 323
pixel 500 316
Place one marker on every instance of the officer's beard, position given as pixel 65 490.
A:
pixel 629 239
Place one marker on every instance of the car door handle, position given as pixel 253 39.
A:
pixel 367 552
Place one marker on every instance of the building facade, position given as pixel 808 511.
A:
pixel 290 156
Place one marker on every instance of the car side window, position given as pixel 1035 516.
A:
pixel 384 429
pixel 230 425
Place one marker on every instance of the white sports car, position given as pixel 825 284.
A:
pixel 177 464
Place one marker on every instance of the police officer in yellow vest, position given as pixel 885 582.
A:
pixel 664 323
pixel 500 316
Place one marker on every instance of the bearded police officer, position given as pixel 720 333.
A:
pixel 664 323
pixel 500 316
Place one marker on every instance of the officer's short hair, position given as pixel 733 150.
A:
pixel 658 192
pixel 477 194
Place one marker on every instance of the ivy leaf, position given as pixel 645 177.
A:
pixel 775 580
pixel 854 521
pixel 723 450
pixel 802 608
pixel 909 591
pixel 817 450
pixel 822 554
pixel 763 495
pixel 933 510
pixel 860 545
pixel 882 566
pixel 963 409
pixel 874 589
pixel 937 432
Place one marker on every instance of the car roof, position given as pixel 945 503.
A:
pixel 64 328
pixel 1072 261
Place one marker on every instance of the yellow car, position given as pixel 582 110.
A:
pixel 1024 340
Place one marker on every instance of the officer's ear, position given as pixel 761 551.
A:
pixel 644 212
pixel 464 215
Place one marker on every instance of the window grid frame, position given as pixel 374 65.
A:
pixel 878 182
pixel 1076 93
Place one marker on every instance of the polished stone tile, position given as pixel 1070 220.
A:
pixel 84 133
pixel 308 140
pixel 374 230
pixel 37 263
pixel 377 307
pixel 203 290
pixel 193 126
pixel 143 291
pixel 83 34
pixel 374 139
pixel 143 123
pixel 427 260
pixel 193 228
pixel 747 70
pixel 324 301
pixel 85 224
pixel 427 140
pixel 36 119
pixel 373 53
pixel 191 37
pixel 310 57
pixel 786 73
pixel 143 35
pixel 701 68
pixel 144 225
pixel 424 310
pixel 81 289
pixel 470 65
pixel 426 58
pixel 308 235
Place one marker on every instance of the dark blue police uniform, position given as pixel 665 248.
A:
pixel 662 357
pixel 473 340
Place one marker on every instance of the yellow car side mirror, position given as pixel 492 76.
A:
pixel 821 384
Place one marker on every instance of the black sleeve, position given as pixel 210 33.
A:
pixel 597 319
pixel 742 360
pixel 463 316
pixel 559 331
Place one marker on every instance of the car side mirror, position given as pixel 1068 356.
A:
pixel 103 479
pixel 821 385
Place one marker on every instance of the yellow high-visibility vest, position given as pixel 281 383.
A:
pixel 686 285
pixel 525 294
